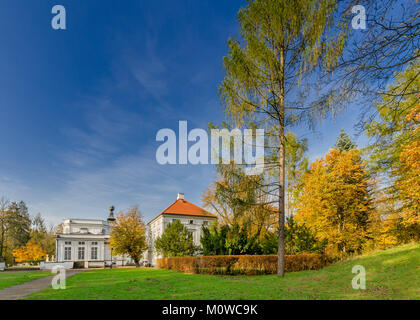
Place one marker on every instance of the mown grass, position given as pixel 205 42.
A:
pixel 390 274
pixel 10 279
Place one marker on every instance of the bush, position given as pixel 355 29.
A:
pixel 242 264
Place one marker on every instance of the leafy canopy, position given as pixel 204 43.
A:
pixel 128 235
pixel 335 201
pixel 176 241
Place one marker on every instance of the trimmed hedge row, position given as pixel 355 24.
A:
pixel 242 264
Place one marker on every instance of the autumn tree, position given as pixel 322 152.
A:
pixel 41 236
pixel 240 199
pixel 176 241
pixel 269 77
pixel 335 201
pixel 408 175
pixel 128 235
pixel 394 153
pixel 29 253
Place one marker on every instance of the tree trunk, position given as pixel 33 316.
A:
pixel 2 240
pixel 280 259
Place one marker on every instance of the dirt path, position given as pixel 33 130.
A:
pixel 22 290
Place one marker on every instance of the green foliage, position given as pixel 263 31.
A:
pixel 235 240
pixel 268 67
pixel 19 224
pixel 213 240
pixel 227 240
pixel 296 161
pixel 298 239
pixel 344 142
pixel 239 242
pixel 176 241
pixel 41 236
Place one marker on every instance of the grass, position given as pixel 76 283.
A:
pixel 390 274
pixel 10 279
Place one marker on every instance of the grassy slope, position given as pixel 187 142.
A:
pixel 391 274
pixel 10 279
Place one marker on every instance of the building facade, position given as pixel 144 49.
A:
pixel 190 215
pixel 86 242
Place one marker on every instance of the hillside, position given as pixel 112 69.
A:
pixel 390 274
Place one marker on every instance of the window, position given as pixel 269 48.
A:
pixel 81 243
pixel 205 223
pixel 94 243
pixel 81 253
pixel 191 221
pixel 68 243
pixel 67 253
pixel 94 253
pixel 173 220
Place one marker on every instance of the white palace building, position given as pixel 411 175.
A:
pixel 85 242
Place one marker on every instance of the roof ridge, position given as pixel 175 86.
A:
pixel 191 209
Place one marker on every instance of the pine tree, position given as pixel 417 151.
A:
pixel 344 142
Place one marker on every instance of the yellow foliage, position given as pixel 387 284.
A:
pixel 29 253
pixel 334 201
pixel 408 181
pixel 128 235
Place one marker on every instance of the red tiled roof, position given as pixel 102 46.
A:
pixel 184 207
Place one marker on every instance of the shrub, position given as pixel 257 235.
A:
pixel 242 264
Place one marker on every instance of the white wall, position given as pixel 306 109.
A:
pixel 102 252
pixel 157 226
pixel 51 265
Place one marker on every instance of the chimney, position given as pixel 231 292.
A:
pixel 111 214
pixel 180 196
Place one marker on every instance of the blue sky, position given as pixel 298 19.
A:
pixel 80 108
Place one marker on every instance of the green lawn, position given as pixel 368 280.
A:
pixel 391 274
pixel 10 279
